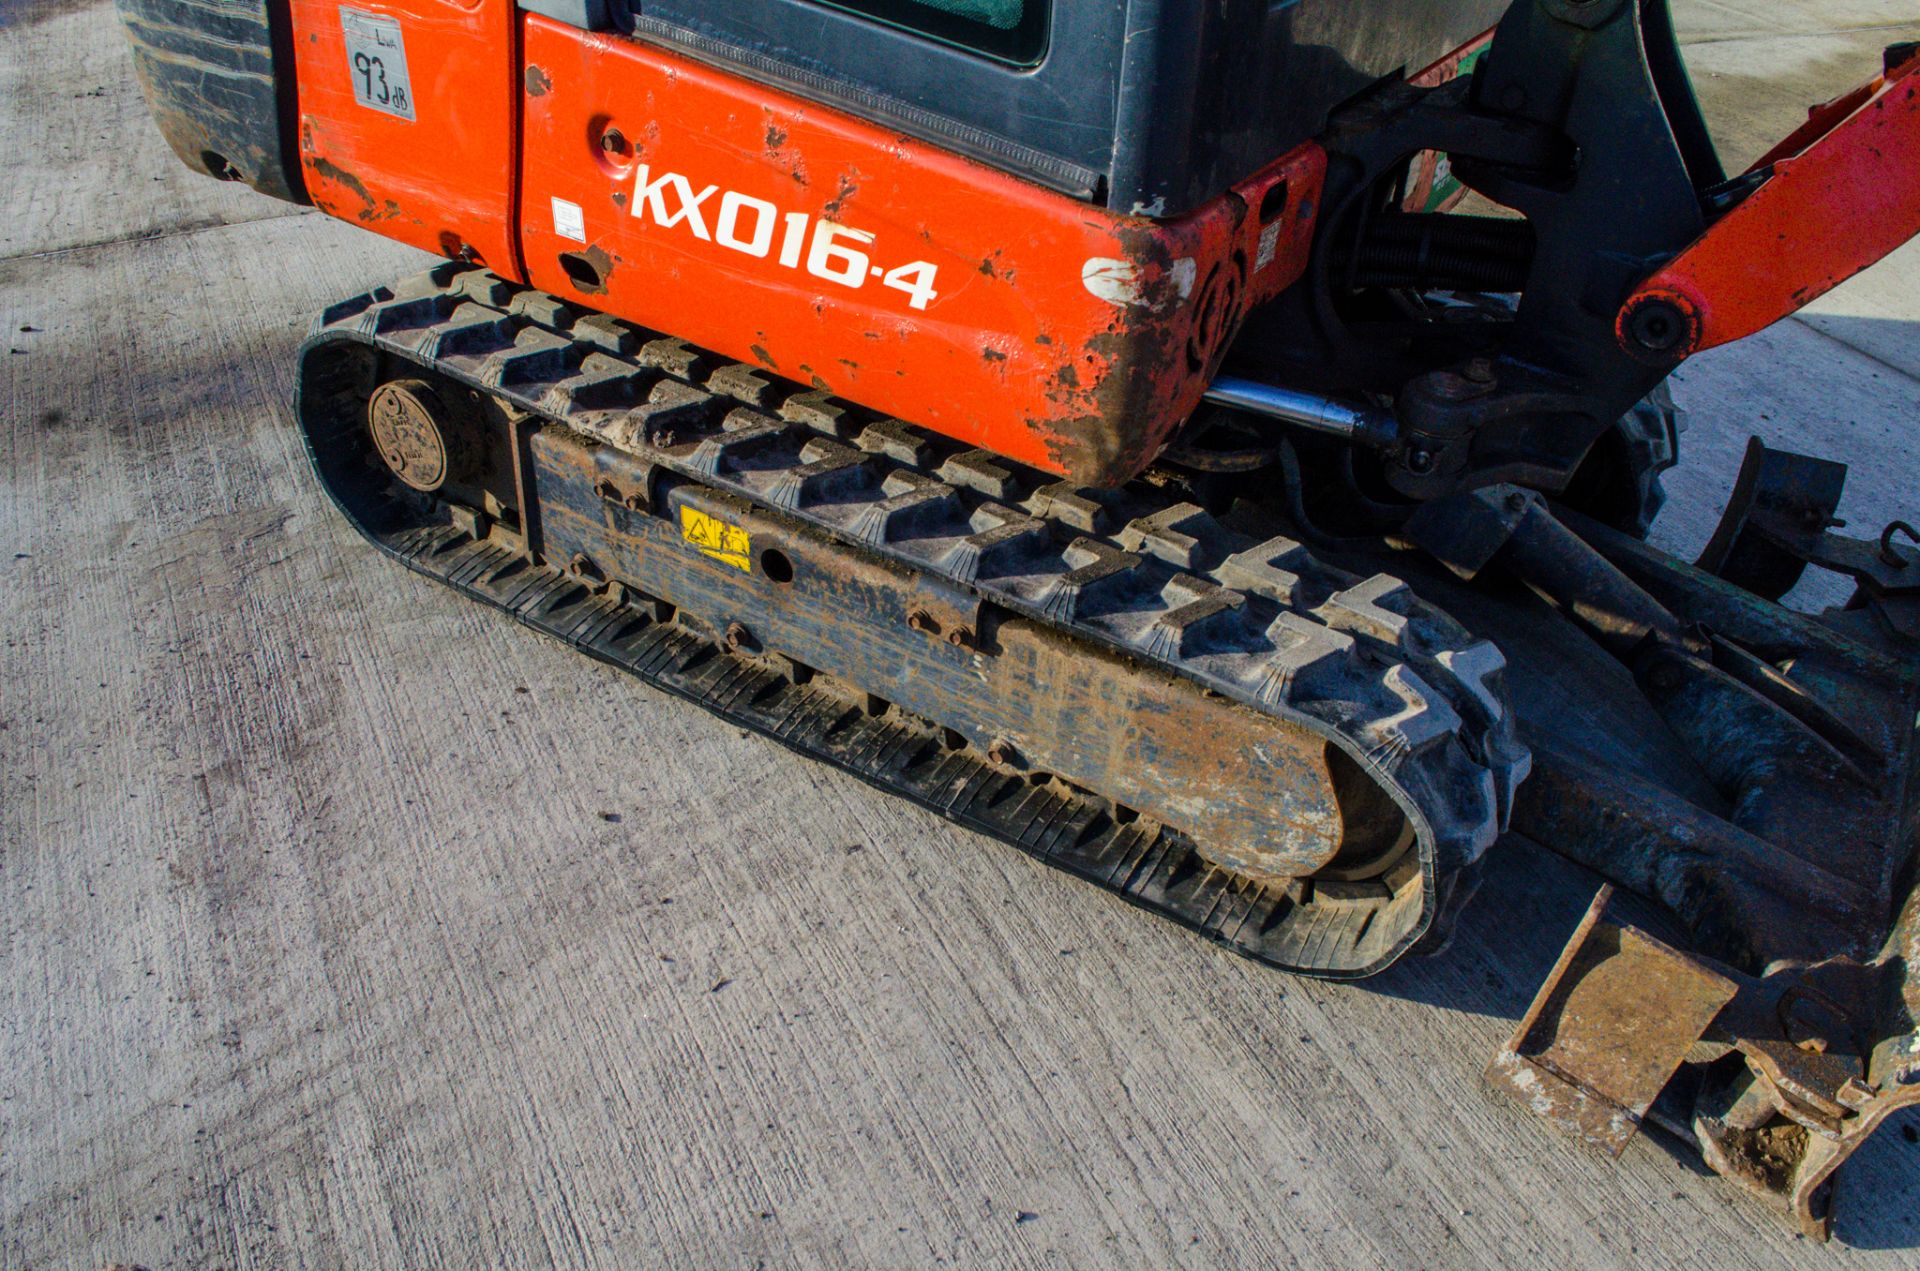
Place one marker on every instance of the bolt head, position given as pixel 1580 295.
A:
pixel 1449 386
pixel 1659 329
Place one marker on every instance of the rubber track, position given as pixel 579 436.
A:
pixel 1362 662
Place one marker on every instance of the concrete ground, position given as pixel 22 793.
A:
pixel 346 924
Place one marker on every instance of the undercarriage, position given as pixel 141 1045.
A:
pixel 1209 501
pixel 1297 743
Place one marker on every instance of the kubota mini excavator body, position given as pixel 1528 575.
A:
pixel 1097 422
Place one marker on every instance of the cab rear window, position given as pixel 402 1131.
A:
pixel 1010 30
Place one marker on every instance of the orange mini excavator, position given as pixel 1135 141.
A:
pixel 1107 424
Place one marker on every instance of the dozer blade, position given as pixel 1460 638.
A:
pixel 1298 762
pixel 1794 1069
pixel 1753 770
pixel 1618 1015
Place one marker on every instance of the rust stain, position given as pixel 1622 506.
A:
pixel 847 190
pixel 1149 356
pixel 539 83
pixel 1123 373
pixel 792 162
pixel 763 357
pixel 453 247
pixel 337 175
pixel 588 270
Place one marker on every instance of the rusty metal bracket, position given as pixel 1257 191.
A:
pixel 1779 499
pixel 1617 1016
pixel 1778 522
pixel 521 426
pixel 946 613
pixel 1798 1066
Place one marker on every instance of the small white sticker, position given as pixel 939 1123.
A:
pixel 1185 270
pixel 1269 244
pixel 377 62
pixel 568 221
pixel 1115 281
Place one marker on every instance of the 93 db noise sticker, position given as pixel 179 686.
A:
pixel 377 63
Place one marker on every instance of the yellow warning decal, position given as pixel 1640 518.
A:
pixel 715 538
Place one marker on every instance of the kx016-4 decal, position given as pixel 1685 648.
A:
pixel 742 223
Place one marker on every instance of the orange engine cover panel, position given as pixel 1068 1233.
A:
pixel 834 252
pixel 407 122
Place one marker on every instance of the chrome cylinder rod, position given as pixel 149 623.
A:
pixel 1363 425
